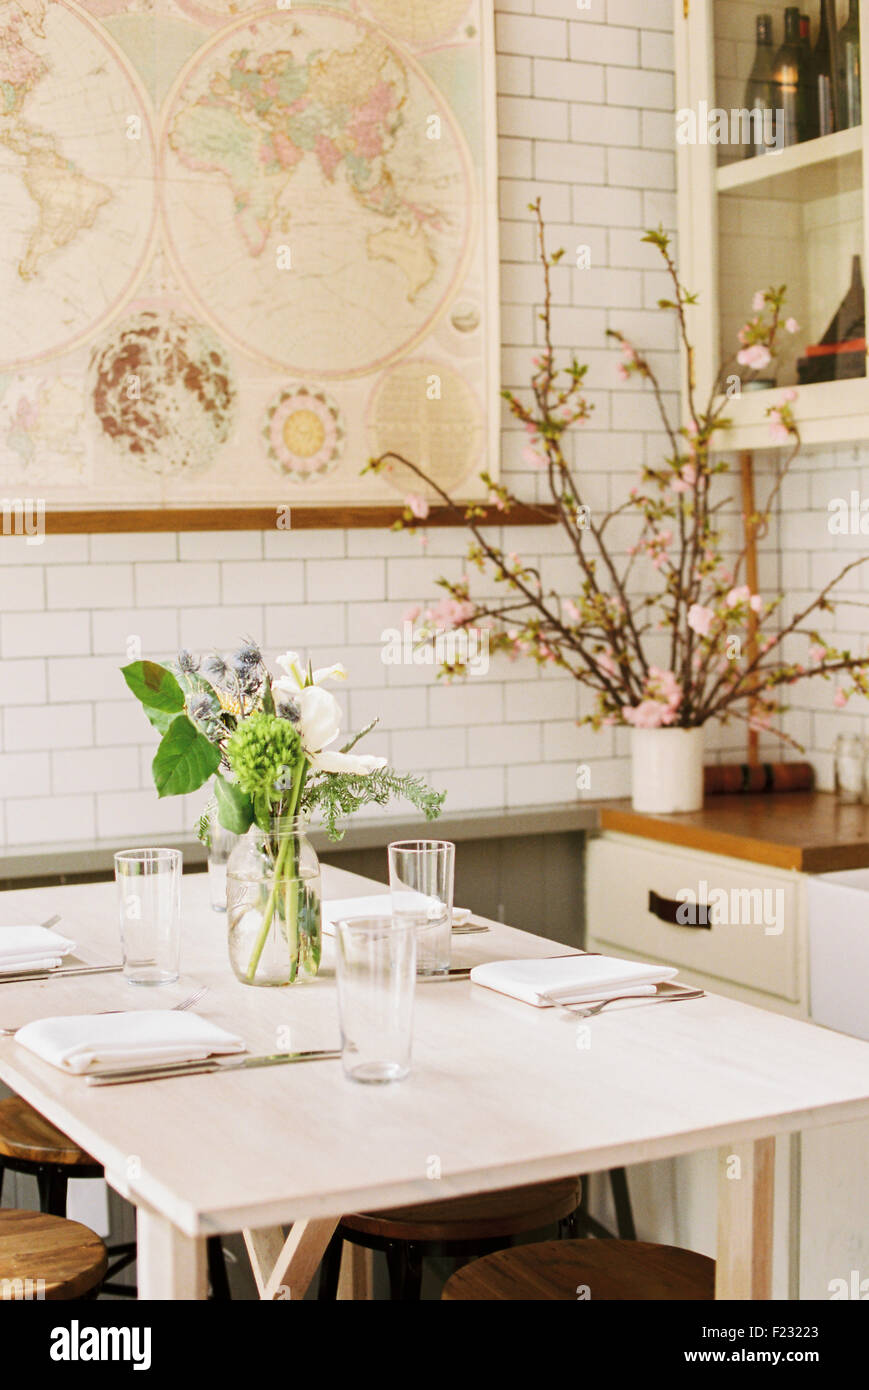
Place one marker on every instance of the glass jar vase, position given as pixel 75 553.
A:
pixel 273 905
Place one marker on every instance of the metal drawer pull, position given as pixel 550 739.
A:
pixel 675 914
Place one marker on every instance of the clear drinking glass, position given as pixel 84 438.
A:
pixel 223 842
pixel 149 903
pixel 376 972
pixel 849 757
pixel 421 878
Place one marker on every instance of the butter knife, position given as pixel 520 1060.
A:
pixel 60 973
pixel 116 1076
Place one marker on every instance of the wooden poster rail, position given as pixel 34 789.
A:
pixel 286 517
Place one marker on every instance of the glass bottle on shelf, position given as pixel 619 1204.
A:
pixel 805 31
pixel 761 91
pixel 793 89
pixel 850 97
pixel 825 85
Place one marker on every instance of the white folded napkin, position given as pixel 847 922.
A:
pixel 31 948
pixel 145 1037
pixel 380 905
pixel 570 979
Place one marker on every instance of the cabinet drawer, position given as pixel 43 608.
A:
pixel 741 924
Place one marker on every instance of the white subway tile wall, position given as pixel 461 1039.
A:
pixel 585 95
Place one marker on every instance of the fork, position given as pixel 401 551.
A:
pixel 589 1011
pixel 181 1008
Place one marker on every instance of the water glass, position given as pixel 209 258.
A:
pixel 849 757
pixel 376 972
pixel 421 878
pixel 149 904
pixel 223 842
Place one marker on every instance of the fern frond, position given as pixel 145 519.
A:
pixel 203 824
pixel 352 742
pixel 339 795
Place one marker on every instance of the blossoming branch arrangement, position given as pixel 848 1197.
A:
pixel 719 643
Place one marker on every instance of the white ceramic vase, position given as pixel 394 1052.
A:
pixel 667 769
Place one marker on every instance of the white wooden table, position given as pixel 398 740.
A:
pixel 501 1094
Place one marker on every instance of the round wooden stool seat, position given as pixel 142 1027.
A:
pixel 48 1257
pixel 484 1216
pixel 28 1137
pixel 611 1271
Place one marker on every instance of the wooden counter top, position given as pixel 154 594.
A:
pixel 809 831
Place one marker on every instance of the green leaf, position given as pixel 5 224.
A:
pixel 234 807
pixel 184 760
pixel 156 687
pixel 160 718
pixel 262 810
pixel 268 696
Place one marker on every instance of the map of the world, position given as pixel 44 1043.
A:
pixel 245 246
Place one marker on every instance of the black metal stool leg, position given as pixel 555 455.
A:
pixel 395 1259
pixel 404 1262
pixel 217 1274
pixel 330 1269
pixel 622 1199
pixel 52 1186
pixel 2 1171
pixel 569 1227
pixel 412 1286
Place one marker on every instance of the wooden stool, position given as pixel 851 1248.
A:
pixel 460 1226
pixel 48 1257
pixel 611 1271
pixel 30 1144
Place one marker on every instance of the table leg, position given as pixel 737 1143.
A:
pixel 356 1280
pixel 746 1180
pixel 285 1268
pixel 170 1265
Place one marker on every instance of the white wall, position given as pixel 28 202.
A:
pixel 584 103
pixel 809 558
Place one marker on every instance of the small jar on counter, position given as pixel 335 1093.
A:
pixel 850 758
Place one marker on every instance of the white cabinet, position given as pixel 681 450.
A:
pixel 754 947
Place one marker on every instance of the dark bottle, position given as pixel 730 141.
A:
pixel 849 321
pixel 806 30
pixel 825 83
pixel 850 97
pixel 761 93
pixel 790 71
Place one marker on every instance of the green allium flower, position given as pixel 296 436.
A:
pixel 261 747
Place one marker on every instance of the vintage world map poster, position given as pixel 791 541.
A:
pixel 244 247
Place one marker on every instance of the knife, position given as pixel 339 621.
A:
pixel 116 1076
pixel 59 973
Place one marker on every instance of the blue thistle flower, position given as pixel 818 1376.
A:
pixel 288 709
pixel 187 662
pixel 200 708
pixel 215 667
pixel 247 657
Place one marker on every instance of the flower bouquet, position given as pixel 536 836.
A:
pixel 266 743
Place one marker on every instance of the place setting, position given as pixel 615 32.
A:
pixel 40 951
pixel 113 1046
